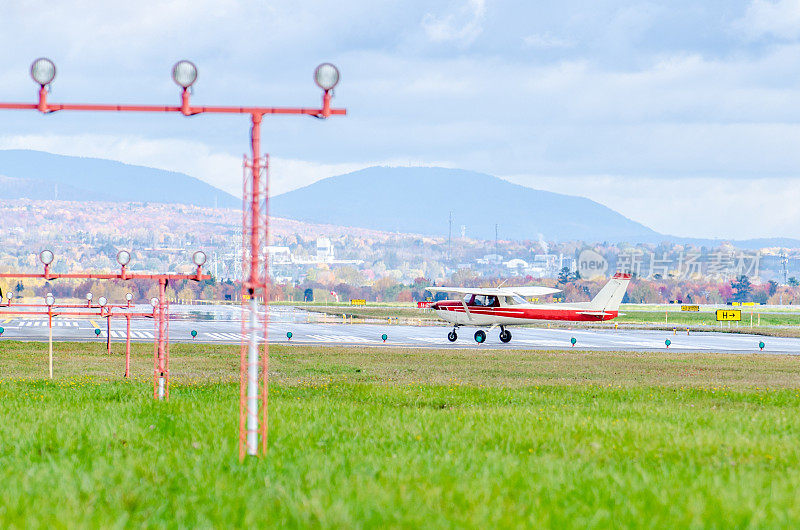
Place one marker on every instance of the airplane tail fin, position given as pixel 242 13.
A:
pixel 610 296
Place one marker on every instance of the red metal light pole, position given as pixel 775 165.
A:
pixel 184 74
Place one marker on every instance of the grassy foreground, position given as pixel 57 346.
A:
pixel 408 438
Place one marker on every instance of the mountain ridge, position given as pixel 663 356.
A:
pixel 409 200
pixel 349 200
pixel 41 175
pixel 411 197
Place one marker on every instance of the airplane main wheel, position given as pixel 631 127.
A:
pixel 452 336
pixel 480 336
pixel 505 336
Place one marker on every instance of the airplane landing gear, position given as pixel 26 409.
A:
pixel 452 336
pixel 505 335
pixel 480 336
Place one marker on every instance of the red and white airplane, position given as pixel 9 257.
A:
pixel 506 306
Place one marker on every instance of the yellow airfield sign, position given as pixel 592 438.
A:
pixel 690 308
pixel 729 315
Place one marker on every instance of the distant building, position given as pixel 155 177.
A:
pixel 324 250
pixel 279 255
pixel 516 263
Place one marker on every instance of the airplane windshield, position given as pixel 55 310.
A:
pixel 519 300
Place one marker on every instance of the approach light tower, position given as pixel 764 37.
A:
pixel 255 224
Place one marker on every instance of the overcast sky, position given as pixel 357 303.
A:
pixel 682 115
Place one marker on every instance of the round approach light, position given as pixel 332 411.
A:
pixel 123 257
pixel 9 295
pixel 326 76
pixel 89 296
pixel 102 301
pixel 129 297
pixel 46 257
pixel 43 71
pixel 184 73
pixel 154 301
pixel 49 300
pixel 199 258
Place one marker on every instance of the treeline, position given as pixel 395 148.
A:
pixel 115 290
pixel 386 289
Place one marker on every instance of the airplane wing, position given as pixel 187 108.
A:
pixel 533 291
pixel 497 291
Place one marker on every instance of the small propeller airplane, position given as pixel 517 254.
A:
pixel 507 306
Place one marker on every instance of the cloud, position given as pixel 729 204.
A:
pixel 705 207
pixel 546 41
pixel 462 25
pixel 636 90
pixel 763 18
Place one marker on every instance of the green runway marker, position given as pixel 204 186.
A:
pixel 289 335
pixel 384 337
pixel 667 342
pixel 97 331
pixel 2 330
pixel 194 333
pixel 573 340
pixel 760 344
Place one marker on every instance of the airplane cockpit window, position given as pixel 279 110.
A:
pixel 491 301
pixel 467 298
pixel 519 300
pixel 480 299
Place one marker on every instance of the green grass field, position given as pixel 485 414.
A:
pixel 402 438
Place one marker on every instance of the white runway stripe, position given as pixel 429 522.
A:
pixel 134 334
pixel 43 323
pixel 340 338
pixel 225 336
pixel 432 340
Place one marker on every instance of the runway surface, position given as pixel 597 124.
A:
pixel 223 326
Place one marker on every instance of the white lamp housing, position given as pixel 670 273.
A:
pixel 199 258
pixel 46 257
pixel 43 71
pixel 326 76
pixel 184 73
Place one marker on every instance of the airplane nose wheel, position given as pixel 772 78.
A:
pixel 480 336
pixel 452 336
pixel 505 336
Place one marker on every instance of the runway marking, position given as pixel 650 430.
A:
pixel 94 323
pixel 227 336
pixel 43 323
pixel 134 334
pixel 432 340
pixel 341 338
